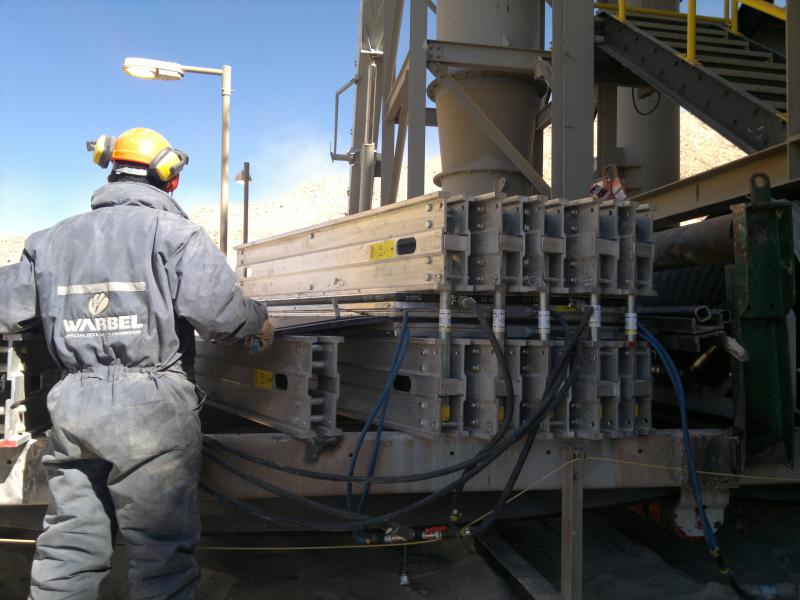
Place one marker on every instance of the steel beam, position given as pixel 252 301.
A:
pixel 371 36
pixel 392 17
pixel 477 56
pixel 572 526
pixel 715 450
pixel 740 116
pixel 417 52
pixel 793 85
pixel 573 97
pixel 400 453
pixel 606 126
pixel 517 567
pixel 720 186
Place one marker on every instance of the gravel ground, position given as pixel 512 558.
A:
pixel 626 557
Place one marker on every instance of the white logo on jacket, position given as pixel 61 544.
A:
pixel 96 326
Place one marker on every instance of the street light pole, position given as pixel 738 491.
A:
pixel 243 177
pixel 246 202
pixel 226 144
pixel 158 69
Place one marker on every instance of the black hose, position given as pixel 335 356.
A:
pixel 369 522
pixel 278 491
pixel 523 455
pixel 508 400
pixel 553 394
pixel 505 372
pixel 413 477
pixel 636 108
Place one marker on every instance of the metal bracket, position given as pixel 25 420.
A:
pixel 334 154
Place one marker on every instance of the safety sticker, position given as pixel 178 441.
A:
pixel 262 379
pixel 382 250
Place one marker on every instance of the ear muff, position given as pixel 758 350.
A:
pixel 167 164
pixel 101 152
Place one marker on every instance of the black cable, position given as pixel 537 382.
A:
pixel 413 477
pixel 552 394
pixel 509 399
pixel 278 491
pixel 526 449
pixel 505 372
pixel 533 421
pixel 636 108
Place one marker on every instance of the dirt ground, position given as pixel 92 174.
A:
pixel 626 557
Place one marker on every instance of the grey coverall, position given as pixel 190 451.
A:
pixel 119 291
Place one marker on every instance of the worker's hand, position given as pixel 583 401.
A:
pixel 263 340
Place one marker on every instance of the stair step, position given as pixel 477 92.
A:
pixel 681 46
pixel 780 107
pixel 766 65
pixel 725 42
pixel 710 30
pixel 758 88
pixel 751 74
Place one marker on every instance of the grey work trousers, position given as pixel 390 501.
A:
pixel 123 453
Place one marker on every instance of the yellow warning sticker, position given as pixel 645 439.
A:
pixel 382 250
pixel 262 379
pixel 445 413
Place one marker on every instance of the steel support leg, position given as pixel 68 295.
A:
pixel 573 98
pixel 418 59
pixel 572 527
pixel 793 85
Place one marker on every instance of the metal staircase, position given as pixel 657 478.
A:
pixel 737 86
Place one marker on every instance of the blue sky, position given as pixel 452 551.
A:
pixel 62 84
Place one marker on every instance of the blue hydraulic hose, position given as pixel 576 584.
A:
pixel 380 407
pixel 381 420
pixel 694 482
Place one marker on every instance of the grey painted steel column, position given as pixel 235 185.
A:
pixel 793 85
pixel 392 17
pixel 417 75
pixel 649 145
pixel 606 126
pixel 573 98
pixel 370 40
pixel 572 526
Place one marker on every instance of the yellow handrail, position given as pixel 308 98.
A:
pixel 730 18
pixel 656 12
pixel 691 32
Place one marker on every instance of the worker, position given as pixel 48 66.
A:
pixel 120 291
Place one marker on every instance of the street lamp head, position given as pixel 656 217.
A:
pixel 145 68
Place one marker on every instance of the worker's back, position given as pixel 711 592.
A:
pixel 125 282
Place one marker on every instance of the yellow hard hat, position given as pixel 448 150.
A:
pixel 139 145
pixel 142 146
